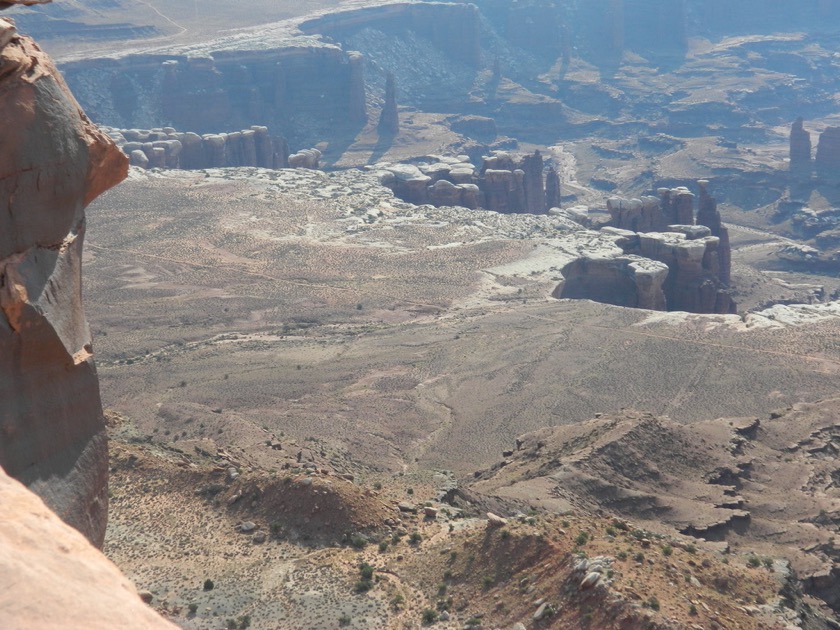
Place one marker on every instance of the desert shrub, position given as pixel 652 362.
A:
pixel 430 616
pixel 362 586
pixel 358 541
pixel 208 584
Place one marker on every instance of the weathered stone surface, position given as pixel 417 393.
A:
pixel 630 281
pixel 698 256
pixel 52 434
pixel 51 577
pixel 249 147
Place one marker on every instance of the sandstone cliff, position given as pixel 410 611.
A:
pixel 54 162
pixel 51 577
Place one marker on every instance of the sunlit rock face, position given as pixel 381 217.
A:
pixel 53 163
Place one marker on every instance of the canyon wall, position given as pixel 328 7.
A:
pixel 54 162
pixel 295 89
pixel 453 28
pixel 299 86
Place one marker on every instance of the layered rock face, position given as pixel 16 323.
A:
pixel 698 257
pixel 280 87
pixel 51 577
pixel 505 183
pixel 54 162
pixel 167 148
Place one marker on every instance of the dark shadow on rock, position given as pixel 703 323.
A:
pixel 385 142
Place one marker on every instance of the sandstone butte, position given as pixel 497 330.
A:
pixel 51 577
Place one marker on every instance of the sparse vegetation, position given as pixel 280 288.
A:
pixel 358 541
pixel 430 616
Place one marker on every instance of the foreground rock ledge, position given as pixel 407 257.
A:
pixel 53 163
pixel 51 577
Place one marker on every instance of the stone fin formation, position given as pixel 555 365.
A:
pixel 54 162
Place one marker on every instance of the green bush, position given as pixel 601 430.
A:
pixel 358 541
pixel 430 616
pixel 363 586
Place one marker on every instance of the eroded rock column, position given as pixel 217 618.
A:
pixel 53 163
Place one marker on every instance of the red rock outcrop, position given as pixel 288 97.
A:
pixel 51 577
pixel 54 162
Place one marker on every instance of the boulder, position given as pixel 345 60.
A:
pixel 55 162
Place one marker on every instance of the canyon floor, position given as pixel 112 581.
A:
pixel 299 324
pixel 316 392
